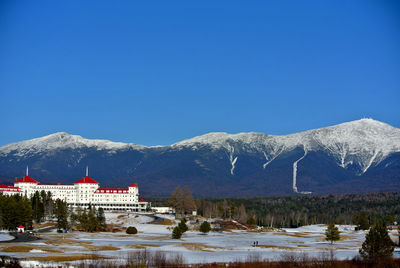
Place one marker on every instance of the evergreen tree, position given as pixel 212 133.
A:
pixel 251 220
pixel 83 220
pixel 101 218
pixel 73 218
pixel 92 222
pixel 205 227
pixel 361 220
pixel 26 211
pixel 176 233
pixel 377 244
pixel 332 233
pixel 37 207
pixel 182 225
pixel 389 220
pixel 61 213
pixel 48 205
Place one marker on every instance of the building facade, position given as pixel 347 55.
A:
pixel 82 193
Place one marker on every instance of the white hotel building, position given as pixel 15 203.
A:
pixel 82 193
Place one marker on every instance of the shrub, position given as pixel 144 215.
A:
pixel 176 233
pixel 251 221
pixel 205 227
pixel 131 230
pixel 182 225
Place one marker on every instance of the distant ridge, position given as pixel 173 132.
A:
pixel 364 154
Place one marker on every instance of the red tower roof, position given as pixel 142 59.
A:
pixel 21 226
pixel 133 185
pixel 3 186
pixel 27 179
pixel 86 179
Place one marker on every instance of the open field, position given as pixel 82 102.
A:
pixel 194 246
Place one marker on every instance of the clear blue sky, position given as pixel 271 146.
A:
pixel 158 73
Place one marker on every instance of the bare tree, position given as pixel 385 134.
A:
pixel 242 213
pixel 188 202
pixel 176 200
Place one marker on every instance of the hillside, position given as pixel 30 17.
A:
pixel 357 156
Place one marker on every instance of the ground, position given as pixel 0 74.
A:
pixel 195 247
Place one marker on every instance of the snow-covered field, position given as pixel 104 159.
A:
pixel 194 246
pixel 5 236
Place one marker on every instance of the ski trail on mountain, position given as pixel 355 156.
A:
pixel 370 162
pixel 295 173
pixel 276 154
pixel 232 159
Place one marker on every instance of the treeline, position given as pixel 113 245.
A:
pixel 42 206
pixel 298 210
pixel 14 211
pixel 18 210
pixel 88 220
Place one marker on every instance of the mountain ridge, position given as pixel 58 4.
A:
pixel 348 151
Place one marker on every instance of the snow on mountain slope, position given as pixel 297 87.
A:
pixel 62 140
pixel 364 142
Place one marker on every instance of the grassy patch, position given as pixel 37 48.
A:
pixel 164 237
pixel 276 247
pixel 25 248
pixel 66 242
pixel 300 235
pixel 263 230
pixel 141 246
pixel 199 247
pixel 101 248
pixel 303 246
pixel 64 258
pixel 342 238
pixel 345 237
pixel 164 222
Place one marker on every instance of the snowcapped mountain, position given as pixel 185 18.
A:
pixel 328 159
pixel 62 140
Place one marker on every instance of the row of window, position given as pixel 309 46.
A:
pixel 112 191
pixel 109 205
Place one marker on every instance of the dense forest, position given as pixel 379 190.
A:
pixel 298 210
pixel 281 211
pixel 14 211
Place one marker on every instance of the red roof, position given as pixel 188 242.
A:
pixel 133 185
pixel 86 179
pixel 21 226
pixel 27 179
pixel 141 201
pixel 3 186
pixel 111 191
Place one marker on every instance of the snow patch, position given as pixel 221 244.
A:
pixel 232 159
pixel 295 173
pixel 5 236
